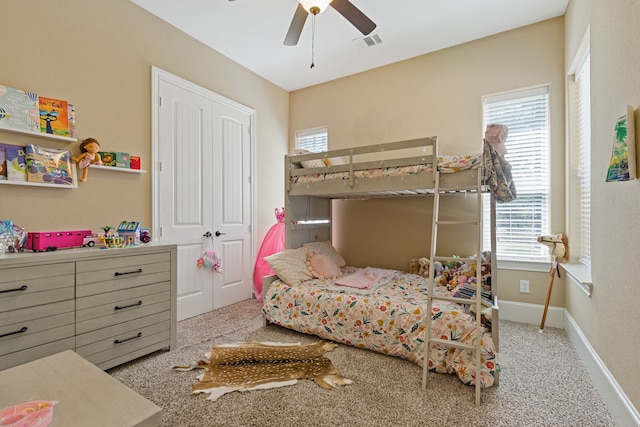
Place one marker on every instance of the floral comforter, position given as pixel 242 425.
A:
pixel 388 318
pixel 446 164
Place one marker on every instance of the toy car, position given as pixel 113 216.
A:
pixel 93 240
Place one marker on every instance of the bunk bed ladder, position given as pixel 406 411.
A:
pixel 476 348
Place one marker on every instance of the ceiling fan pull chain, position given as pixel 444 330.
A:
pixel 313 38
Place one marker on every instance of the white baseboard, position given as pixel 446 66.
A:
pixel 619 405
pixel 621 408
pixel 531 313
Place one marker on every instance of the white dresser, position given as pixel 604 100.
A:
pixel 108 305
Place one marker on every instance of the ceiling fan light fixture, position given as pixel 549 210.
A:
pixel 315 7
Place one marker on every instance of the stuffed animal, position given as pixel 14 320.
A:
pixel 558 245
pixel 414 266
pixel 443 280
pixel 424 266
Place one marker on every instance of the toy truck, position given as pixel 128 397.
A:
pixel 47 241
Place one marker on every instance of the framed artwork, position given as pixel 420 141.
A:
pixel 622 166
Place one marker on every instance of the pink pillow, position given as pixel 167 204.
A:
pixel 321 266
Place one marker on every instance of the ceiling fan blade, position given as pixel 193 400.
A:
pixel 354 15
pixel 295 29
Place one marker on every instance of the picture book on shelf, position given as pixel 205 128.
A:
pixel 16 168
pixel 19 110
pixel 54 117
pixel 3 165
pixel 50 165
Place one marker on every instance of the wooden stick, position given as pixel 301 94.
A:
pixel 554 268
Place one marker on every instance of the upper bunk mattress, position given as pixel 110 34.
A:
pixel 446 164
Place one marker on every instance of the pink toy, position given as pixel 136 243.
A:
pixel 273 242
pixel 53 240
pixel 35 413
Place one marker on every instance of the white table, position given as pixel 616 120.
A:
pixel 86 395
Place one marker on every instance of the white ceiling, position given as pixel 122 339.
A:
pixel 251 32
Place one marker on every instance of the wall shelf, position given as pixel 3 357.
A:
pixel 40 135
pixel 39 184
pixel 116 169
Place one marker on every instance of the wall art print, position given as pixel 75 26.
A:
pixel 622 166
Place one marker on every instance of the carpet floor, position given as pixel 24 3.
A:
pixel 542 383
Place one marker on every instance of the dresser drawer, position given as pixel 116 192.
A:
pixel 93 277
pixel 103 310
pixel 30 286
pixel 34 326
pixel 34 353
pixel 149 333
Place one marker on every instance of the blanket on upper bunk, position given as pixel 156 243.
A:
pixel 389 319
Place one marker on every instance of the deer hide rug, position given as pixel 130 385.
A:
pixel 259 365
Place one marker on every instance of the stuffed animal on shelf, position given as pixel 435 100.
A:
pixel 89 156
pixel 414 266
pixel 424 266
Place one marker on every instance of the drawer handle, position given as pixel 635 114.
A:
pixel 117 307
pixel 138 335
pixel 21 331
pixel 21 288
pixel 117 273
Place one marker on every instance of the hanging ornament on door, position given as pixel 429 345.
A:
pixel 209 258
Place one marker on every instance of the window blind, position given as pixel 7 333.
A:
pixel 314 140
pixel 583 108
pixel 520 222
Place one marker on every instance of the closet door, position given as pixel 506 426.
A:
pixel 231 205
pixel 203 187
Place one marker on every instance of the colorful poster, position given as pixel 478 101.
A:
pixel 622 166
pixel 19 110
pixel 54 117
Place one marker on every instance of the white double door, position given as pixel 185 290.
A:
pixel 202 186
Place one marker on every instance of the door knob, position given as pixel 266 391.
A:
pixel 218 234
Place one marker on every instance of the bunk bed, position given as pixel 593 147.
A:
pixel 388 314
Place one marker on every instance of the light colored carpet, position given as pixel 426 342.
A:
pixel 542 383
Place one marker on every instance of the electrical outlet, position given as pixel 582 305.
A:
pixel 524 286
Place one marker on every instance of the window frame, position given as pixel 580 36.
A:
pixel 534 256
pixel 315 139
pixel 579 155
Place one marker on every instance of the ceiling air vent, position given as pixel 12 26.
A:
pixel 368 41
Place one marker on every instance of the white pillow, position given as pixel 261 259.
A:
pixel 290 265
pixel 315 163
pixel 326 248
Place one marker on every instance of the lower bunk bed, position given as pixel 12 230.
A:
pixel 379 310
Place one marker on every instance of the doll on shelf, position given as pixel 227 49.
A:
pixel 88 156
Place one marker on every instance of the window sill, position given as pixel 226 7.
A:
pixel 580 275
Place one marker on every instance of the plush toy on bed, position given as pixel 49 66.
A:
pixel 424 266
pixel 414 266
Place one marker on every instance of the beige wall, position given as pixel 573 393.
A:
pixel 436 94
pixel 610 318
pixel 98 55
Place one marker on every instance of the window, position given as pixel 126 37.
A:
pixel 520 222
pixel 580 159
pixel 314 140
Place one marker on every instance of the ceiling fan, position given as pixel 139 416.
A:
pixel 315 7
